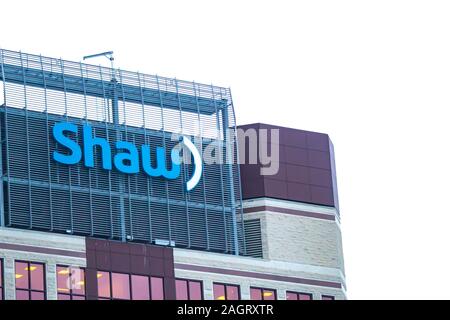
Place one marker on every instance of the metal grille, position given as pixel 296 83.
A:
pixel 39 193
pixel 253 239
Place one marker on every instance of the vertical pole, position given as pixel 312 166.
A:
pixel 30 208
pixel 222 187
pixel 6 143
pixel 229 160
pixel 116 122
pixel 2 207
pixel 238 169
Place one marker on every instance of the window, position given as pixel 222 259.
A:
pixel 189 289
pixel 226 292
pixel 122 286
pixel 325 297
pixel 262 294
pixel 298 296
pixel 30 281
pixel 70 283
pixel 1 279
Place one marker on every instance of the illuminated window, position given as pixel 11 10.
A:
pixel 262 294
pixel 157 288
pixel 298 296
pixel 30 281
pixel 122 286
pixel 1 279
pixel 188 289
pixel 140 288
pixel 325 297
pixel 71 283
pixel 226 292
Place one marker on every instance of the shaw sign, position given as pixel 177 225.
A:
pixel 126 158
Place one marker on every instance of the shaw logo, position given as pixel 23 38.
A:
pixel 127 157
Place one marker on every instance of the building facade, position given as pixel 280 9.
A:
pixel 96 203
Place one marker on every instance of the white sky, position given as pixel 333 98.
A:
pixel 375 75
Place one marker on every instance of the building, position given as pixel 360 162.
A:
pixel 96 203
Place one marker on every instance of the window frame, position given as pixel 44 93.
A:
pixel 188 288
pixel 297 293
pixel 327 297
pixel 149 279
pixel 262 293
pixel 29 290
pixel 2 280
pixel 70 294
pixel 225 289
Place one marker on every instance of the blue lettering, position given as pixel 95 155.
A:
pixel 89 143
pixel 132 156
pixel 126 159
pixel 161 166
pixel 58 133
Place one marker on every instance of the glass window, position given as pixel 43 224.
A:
pixel 30 281
pixel 70 283
pixel 104 284
pixel 325 297
pixel 129 287
pixel 1 279
pixel 188 289
pixel 195 290
pixel 226 292
pixel 181 290
pixel 262 294
pixel 255 294
pixel 232 292
pixel 219 291
pixel 157 287
pixel 120 286
pixel 140 288
pixel 305 296
pixel 298 296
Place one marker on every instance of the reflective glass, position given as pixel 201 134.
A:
pixel 1 273
pixel 232 292
pixel 104 289
pixel 181 289
pixel 195 290
pixel 140 288
pixel 62 279
pixel 77 281
pixel 219 291
pixel 22 275
pixel 304 296
pixel 157 288
pixel 63 296
pixel 269 294
pixel 37 277
pixel 255 294
pixel 22 295
pixel 37 295
pixel 120 286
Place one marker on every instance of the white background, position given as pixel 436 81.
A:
pixel 374 75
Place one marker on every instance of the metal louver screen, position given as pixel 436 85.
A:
pixel 41 194
pixel 253 241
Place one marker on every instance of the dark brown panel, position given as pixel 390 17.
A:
pixel 114 256
pixel 305 173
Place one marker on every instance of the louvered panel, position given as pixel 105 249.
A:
pixel 40 193
pixel 253 241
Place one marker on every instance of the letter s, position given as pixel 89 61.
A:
pixel 58 134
